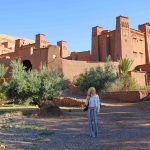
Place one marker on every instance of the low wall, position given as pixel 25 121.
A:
pixel 69 102
pixel 125 96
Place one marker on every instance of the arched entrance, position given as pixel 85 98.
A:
pixel 27 64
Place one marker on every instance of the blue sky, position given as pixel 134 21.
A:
pixel 69 20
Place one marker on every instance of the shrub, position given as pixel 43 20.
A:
pixel 115 86
pixel 3 70
pixel 45 84
pixel 100 78
pixel 17 89
pixel 2 93
pixel 125 65
pixel 37 85
pixel 148 88
pixel 128 82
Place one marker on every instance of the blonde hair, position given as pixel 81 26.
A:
pixel 90 90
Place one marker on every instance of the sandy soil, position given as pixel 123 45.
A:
pixel 122 126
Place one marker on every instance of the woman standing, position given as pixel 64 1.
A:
pixel 93 103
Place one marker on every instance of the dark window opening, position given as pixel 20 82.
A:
pixel 27 64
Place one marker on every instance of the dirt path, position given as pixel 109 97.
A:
pixel 122 127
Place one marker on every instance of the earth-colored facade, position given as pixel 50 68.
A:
pixel 119 43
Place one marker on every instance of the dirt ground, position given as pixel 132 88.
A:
pixel 122 126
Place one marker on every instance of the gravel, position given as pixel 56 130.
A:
pixel 121 127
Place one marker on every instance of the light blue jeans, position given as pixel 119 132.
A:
pixel 93 124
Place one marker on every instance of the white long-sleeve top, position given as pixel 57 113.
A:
pixel 94 101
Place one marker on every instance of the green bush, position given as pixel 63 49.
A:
pixel 100 78
pixel 2 96
pixel 115 86
pixel 45 84
pixel 2 93
pixel 125 65
pixel 128 82
pixel 17 89
pixel 148 88
pixel 3 70
pixel 37 85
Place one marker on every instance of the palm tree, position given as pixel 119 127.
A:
pixel 125 65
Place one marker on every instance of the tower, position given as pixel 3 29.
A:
pixel 96 31
pixel 146 29
pixel 18 44
pixel 123 47
pixel 122 22
pixel 39 41
pixel 63 49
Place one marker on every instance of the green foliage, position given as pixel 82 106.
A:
pixel 17 88
pixel 115 86
pixel 2 92
pixel 45 84
pixel 46 133
pixel 3 70
pixel 2 96
pixel 148 88
pixel 124 65
pixel 37 85
pixel 108 65
pixel 128 82
pixel 24 126
pixel 100 78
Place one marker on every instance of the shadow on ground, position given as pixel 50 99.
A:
pixel 120 128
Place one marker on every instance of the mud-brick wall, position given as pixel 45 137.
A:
pixel 72 68
pixel 124 96
pixel 140 78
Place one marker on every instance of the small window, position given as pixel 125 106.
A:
pixel 135 54
pixel 141 55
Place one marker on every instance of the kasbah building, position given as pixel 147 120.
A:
pixel 119 43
